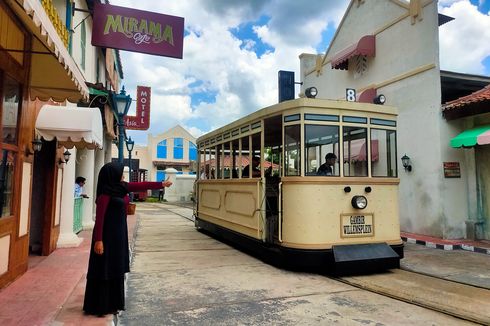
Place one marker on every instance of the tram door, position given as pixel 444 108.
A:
pixel 272 157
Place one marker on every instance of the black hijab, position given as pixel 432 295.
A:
pixel 109 182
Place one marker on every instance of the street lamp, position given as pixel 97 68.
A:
pixel 120 104
pixel 129 147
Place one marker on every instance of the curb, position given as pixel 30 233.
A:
pixel 132 242
pixel 434 245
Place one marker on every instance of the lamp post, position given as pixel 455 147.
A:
pixel 120 104
pixel 129 147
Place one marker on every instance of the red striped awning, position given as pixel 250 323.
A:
pixel 365 46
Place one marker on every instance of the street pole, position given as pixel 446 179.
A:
pixel 129 155
pixel 121 140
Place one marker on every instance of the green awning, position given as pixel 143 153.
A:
pixel 471 137
pixel 94 91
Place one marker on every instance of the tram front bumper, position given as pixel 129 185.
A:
pixel 361 258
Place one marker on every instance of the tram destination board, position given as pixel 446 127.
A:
pixel 356 225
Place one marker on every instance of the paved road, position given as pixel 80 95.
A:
pixel 183 277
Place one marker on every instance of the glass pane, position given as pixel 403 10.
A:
pixel 202 164
pixel 245 157
pixel 355 152
pixel 6 182
pixel 212 160
pixel 292 148
pixel 10 110
pixel 227 160
pixel 219 161
pixel 320 143
pixel 383 153
pixel 236 165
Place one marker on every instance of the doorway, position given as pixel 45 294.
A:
pixel 43 200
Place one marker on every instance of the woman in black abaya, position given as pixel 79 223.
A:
pixel 109 253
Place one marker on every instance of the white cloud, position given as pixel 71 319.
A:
pixel 464 41
pixel 242 81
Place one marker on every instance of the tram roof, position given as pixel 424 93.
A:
pixel 302 103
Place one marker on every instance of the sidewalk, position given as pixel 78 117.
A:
pixel 51 291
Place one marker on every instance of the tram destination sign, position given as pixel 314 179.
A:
pixel 356 225
pixel 138 31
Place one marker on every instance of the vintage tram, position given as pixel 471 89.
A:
pixel 262 185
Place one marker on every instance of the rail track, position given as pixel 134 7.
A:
pixel 456 299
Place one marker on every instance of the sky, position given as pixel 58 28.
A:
pixel 233 50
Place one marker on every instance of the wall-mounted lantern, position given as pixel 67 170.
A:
pixel 406 163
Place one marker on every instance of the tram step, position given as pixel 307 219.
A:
pixel 373 256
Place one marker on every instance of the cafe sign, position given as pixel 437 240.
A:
pixel 138 31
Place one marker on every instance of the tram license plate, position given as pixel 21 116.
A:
pixel 357 225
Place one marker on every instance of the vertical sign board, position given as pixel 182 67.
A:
pixel 142 119
pixel 137 30
pixel 286 85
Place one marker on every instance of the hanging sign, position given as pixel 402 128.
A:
pixel 141 121
pixel 138 31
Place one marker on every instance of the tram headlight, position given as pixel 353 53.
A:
pixel 359 202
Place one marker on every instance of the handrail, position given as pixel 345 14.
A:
pixel 279 216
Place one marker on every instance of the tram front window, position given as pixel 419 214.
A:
pixel 355 152
pixel 383 153
pixel 319 141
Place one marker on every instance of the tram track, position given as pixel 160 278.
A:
pixel 452 298
pixel 457 299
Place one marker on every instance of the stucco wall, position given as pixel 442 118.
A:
pixel 406 70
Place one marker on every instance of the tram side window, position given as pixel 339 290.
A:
pixel 355 152
pixel 245 157
pixel 206 165
pixel 202 164
pixel 292 148
pixel 226 160
pixel 319 141
pixel 212 163
pixel 235 164
pixel 256 156
pixel 272 159
pixel 383 153
pixel 219 161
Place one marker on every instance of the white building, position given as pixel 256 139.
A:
pixel 391 47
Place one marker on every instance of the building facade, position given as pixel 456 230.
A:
pixel 54 86
pixel 174 148
pixel 471 114
pixel 392 48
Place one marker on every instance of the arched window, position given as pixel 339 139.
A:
pixel 162 149
pixel 192 151
pixel 178 148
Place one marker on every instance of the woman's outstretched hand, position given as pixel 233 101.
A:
pixel 99 247
pixel 166 184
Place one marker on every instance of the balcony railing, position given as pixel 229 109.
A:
pixel 77 214
pixel 58 24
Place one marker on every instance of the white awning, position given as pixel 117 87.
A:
pixel 79 127
pixel 54 74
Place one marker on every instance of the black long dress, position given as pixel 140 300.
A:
pixel 104 293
